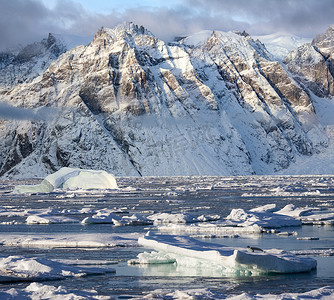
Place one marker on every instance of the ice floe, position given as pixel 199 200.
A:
pixel 38 290
pixel 241 217
pixel 49 219
pixel 71 240
pixel 324 293
pixel 231 260
pixel 135 219
pixel 71 178
pixel 220 228
pixel 18 268
pixel 165 218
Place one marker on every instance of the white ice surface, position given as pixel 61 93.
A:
pixel 324 293
pixel 70 240
pixel 70 178
pixel 219 228
pixel 231 260
pixel 48 219
pixel 40 291
pixel 14 268
pixel 241 217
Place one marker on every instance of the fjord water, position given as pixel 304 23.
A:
pixel 194 195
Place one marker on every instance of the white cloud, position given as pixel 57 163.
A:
pixel 23 21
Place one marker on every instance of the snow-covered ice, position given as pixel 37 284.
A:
pixel 88 240
pixel 241 217
pixel 324 293
pixel 177 218
pixel 49 219
pixel 70 178
pixel 41 291
pixel 231 260
pixel 17 268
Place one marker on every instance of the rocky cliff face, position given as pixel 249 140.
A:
pixel 29 62
pixel 213 103
pixel 313 64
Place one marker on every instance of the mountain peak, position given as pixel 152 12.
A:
pixel 127 27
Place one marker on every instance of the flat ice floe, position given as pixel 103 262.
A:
pixel 241 217
pixel 88 240
pixel 47 219
pixel 186 250
pixel 180 218
pixel 324 293
pixel 69 178
pixel 41 291
pixel 18 268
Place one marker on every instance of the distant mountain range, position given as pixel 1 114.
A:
pixel 214 103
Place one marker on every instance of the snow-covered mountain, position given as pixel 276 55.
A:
pixel 280 44
pixel 23 65
pixel 214 103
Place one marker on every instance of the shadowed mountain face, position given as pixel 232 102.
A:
pixel 214 103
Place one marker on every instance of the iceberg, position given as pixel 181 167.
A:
pixel 71 178
pixel 239 261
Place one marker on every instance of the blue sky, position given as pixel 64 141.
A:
pixel 24 21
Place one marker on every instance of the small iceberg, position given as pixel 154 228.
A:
pixel 239 261
pixel 70 178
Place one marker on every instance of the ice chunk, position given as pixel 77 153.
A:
pixel 324 293
pixel 69 178
pixel 47 219
pixel 70 240
pixel 292 211
pixel 211 228
pixel 135 219
pixel 265 208
pixel 152 258
pixel 100 218
pixel 241 217
pixel 160 218
pixel 164 218
pixel 232 260
pixel 14 268
pixel 40 291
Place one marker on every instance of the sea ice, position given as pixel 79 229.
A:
pixel 241 217
pixel 48 219
pixel 17 268
pixel 100 218
pixel 70 240
pixel 217 228
pixel 69 178
pixel 40 291
pixel 135 219
pixel 292 211
pixel 232 260
pixel 324 293
pixel 180 218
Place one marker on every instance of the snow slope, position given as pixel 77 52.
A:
pixel 215 103
pixel 280 44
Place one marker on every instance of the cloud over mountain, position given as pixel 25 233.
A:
pixel 30 20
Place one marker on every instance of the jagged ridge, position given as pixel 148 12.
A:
pixel 133 105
